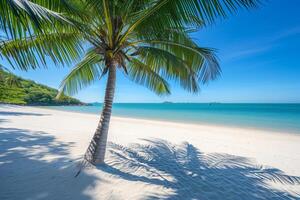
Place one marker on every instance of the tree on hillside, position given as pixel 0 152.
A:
pixel 16 90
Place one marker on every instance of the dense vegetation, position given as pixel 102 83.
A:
pixel 16 90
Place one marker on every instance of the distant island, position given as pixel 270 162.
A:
pixel 94 104
pixel 167 102
pixel 16 90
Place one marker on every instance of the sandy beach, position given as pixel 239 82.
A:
pixel 40 150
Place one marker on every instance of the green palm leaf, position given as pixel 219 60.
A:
pixel 17 17
pixel 170 66
pixel 144 75
pixel 83 74
pixel 31 52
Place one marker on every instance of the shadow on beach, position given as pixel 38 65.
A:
pixel 4 113
pixel 191 174
pixel 25 173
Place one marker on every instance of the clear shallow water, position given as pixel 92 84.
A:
pixel 278 117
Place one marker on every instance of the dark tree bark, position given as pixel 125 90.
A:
pixel 95 153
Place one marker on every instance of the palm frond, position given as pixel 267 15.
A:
pixel 144 75
pixel 199 62
pixel 18 17
pixel 108 20
pixel 170 66
pixel 83 74
pixel 202 60
pixel 165 15
pixel 31 52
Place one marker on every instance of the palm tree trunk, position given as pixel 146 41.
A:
pixel 95 153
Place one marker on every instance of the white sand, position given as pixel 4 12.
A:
pixel 40 149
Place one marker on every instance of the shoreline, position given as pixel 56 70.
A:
pixel 203 124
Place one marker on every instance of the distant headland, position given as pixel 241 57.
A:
pixel 19 91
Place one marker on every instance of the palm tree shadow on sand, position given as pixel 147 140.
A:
pixel 191 174
pixel 25 173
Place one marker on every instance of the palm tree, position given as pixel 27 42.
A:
pixel 9 79
pixel 12 81
pixel 149 40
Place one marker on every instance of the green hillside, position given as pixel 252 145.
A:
pixel 16 90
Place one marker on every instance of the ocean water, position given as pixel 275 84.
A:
pixel 277 117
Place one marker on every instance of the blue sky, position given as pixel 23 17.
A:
pixel 259 53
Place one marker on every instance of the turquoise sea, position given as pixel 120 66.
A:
pixel 278 117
